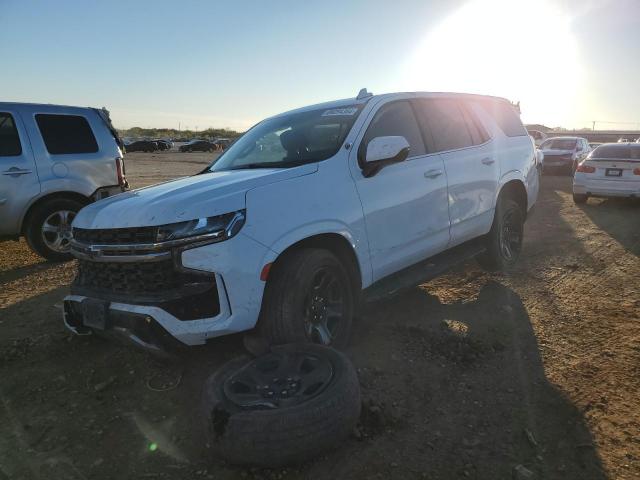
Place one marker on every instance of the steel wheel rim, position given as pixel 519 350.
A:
pixel 56 230
pixel 324 307
pixel 510 235
pixel 278 380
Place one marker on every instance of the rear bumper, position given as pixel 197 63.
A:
pixel 605 188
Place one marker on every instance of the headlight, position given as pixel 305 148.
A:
pixel 216 228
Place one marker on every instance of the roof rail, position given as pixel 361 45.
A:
pixel 363 94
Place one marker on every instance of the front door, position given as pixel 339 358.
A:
pixel 18 177
pixel 405 204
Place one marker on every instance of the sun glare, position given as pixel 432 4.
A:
pixel 521 50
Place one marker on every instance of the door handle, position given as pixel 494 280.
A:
pixel 488 161
pixel 15 171
pixel 433 173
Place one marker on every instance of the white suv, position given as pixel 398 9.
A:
pixel 304 213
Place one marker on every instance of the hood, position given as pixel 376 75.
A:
pixel 187 198
pixel 552 151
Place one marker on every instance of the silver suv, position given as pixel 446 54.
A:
pixel 53 161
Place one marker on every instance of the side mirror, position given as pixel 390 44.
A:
pixel 383 151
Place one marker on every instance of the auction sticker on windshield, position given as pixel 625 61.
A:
pixel 340 111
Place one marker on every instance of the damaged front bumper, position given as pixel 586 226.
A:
pixel 183 296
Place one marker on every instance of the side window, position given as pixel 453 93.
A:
pixel 9 140
pixel 445 119
pixel 63 134
pixel 396 119
pixel 505 116
pixel 478 133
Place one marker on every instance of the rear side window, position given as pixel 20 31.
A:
pixel 445 120
pixel 9 140
pixel 505 116
pixel 64 134
pixel 397 119
pixel 476 129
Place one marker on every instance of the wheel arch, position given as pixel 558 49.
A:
pixel 515 190
pixel 47 198
pixel 335 243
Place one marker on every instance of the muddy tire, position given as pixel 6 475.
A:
pixel 47 229
pixel 309 297
pixel 579 198
pixel 504 240
pixel 245 424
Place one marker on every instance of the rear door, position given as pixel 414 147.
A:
pixel 455 132
pixel 18 176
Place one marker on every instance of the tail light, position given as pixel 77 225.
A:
pixel 585 168
pixel 636 171
pixel 122 181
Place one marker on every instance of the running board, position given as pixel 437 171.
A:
pixel 422 271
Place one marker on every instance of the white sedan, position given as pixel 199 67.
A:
pixel 611 170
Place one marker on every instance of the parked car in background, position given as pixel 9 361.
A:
pixel 163 144
pixel 593 145
pixel 198 146
pixel 222 143
pixel 611 170
pixel 142 146
pixel 623 140
pixel 564 152
pixel 538 136
pixel 53 161
pixel 358 197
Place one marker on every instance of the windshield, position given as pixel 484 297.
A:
pixel 290 140
pixel 559 144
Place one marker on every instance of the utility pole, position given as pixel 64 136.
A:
pixel 593 127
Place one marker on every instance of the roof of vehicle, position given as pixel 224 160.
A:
pixel 345 102
pixel 44 106
pixel 565 138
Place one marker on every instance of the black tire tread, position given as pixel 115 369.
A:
pixel 277 322
pixel 280 437
pixel 492 260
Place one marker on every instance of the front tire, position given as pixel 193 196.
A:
pixel 48 228
pixel 309 298
pixel 504 240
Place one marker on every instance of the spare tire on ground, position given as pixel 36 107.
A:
pixel 287 406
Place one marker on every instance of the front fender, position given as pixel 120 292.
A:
pixel 319 228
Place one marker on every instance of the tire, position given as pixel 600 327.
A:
pixel 287 434
pixel 291 315
pixel 495 258
pixel 579 198
pixel 42 243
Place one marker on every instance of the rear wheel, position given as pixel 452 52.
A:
pixel 48 228
pixel 504 240
pixel 580 198
pixel 309 298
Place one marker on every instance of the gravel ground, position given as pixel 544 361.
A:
pixel 472 375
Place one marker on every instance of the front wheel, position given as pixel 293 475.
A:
pixel 310 298
pixel 48 229
pixel 504 240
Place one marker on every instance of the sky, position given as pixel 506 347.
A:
pixel 200 64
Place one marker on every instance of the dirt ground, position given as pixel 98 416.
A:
pixel 467 376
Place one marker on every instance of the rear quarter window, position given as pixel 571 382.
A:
pixel 66 134
pixel 505 116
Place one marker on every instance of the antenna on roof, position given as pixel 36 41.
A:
pixel 363 94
